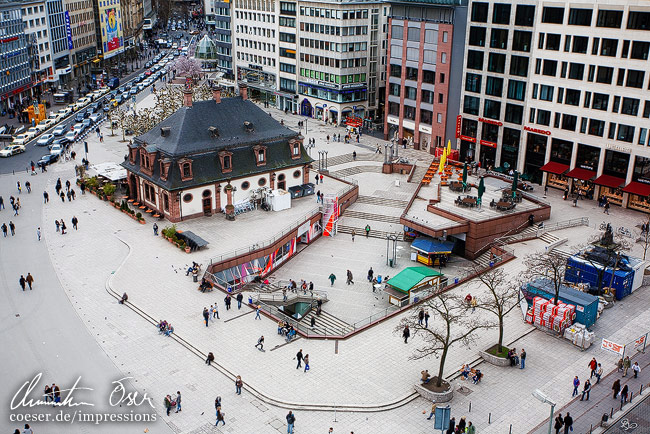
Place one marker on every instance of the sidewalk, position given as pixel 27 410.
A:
pixel 587 414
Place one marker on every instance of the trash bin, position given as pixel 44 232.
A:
pixel 390 263
pixel 195 277
pixel 491 263
pixel 455 279
pixel 250 300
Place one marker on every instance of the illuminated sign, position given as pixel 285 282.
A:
pixel 490 121
pixel 490 144
pixel 537 130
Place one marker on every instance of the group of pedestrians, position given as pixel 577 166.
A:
pixel 457 428
pixel 61 226
pixel 165 328
pixel 173 402
pixel 24 281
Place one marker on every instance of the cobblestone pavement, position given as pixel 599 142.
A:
pixel 372 368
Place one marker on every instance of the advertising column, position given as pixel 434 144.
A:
pixel 110 21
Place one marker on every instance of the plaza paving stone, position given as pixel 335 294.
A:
pixel 370 368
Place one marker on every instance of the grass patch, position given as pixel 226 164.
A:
pixel 493 350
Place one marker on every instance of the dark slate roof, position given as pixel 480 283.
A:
pixel 206 167
pixel 189 128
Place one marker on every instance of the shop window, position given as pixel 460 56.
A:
pixel 490 132
pixel 469 127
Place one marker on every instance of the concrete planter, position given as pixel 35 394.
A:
pixel 434 396
pixel 494 360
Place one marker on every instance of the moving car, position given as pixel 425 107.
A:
pixel 59 130
pixel 20 139
pixel 87 123
pixel 45 139
pixel 47 159
pixel 44 124
pixel 10 150
pixel 79 128
pixel 32 132
pixel 72 136
pixel 95 117
pixel 62 141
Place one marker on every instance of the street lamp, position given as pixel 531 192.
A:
pixel 540 396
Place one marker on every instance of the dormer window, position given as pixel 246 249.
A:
pixel 260 155
pixel 185 166
pixel 296 149
pixel 294 146
pixel 225 158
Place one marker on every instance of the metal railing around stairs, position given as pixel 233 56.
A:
pixel 268 242
pixel 320 331
pixel 274 297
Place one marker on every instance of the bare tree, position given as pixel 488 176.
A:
pixel 550 265
pixel 604 251
pixel 454 326
pixel 644 237
pixel 502 296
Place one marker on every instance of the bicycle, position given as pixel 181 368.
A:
pixel 624 232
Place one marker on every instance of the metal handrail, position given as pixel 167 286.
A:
pixel 273 297
pixel 268 242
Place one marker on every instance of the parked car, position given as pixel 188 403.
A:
pixel 10 150
pixel 56 150
pixel 45 139
pixel 72 135
pixel 95 117
pixel 47 159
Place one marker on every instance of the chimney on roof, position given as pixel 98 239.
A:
pixel 187 97
pixel 164 131
pixel 243 91
pixel 216 94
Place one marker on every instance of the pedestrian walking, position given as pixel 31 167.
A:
pixel 73 194
pixel 349 274
pixel 306 360
pixel 28 185
pixel 332 277
pixel 576 384
pixel 559 423
pixel 470 429
pixel 616 387
pixel 4 230
pixel 155 230
pixel 636 369
pixel 239 298
pixel 406 334
pixel 420 317
pixel 30 280
pixel 626 360
pixel 215 311
pixel 22 282
pixel 568 423
pixel 354 155
pixel 38 234
pixel 367 230
pixel 209 359
pixel 62 195
pixel 20 190
pixel 522 358
pixel 238 384
pixel 593 365
pixel 299 357
pixel 370 275
pixel 317 178
pixel 426 319
pixel 585 390
pixel 220 417
pixel 56 222
pixel 2 203
pixel 46 197
pixel 178 401
pixel 624 393
pixel 599 373
pixel 353 234
pixel 67 185
pixel 74 222
pixel 63 227
pixel 606 206
pixel 206 316
pixel 257 312
pixel 291 420
pixel 227 300
pixel 12 228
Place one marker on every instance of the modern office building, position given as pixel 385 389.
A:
pixel 560 92
pixel 425 58
pixel 35 19
pixel 15 67
pixel 60 41
pixel 222 37
pixel 256 46
pixel 80 16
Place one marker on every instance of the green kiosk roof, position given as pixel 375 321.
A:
pixel 410 277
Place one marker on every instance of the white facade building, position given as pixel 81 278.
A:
pixel 35 19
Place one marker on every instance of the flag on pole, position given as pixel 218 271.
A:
pixel 448 147
pixel 443 160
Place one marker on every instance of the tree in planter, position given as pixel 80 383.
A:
pixel 139 216
pixel 109 189
pixel 549 265
pixel 502 297
pixel 455 325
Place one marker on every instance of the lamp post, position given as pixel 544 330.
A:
pixel 540 396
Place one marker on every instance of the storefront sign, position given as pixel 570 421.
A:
pixel 537 130
pixel 643 180
pixel 490 144
pixel 459 121
pixel 392 120
pixel 617 148
pixel 468 139
pixel 425 129
pixel 586 166
pixel 613 347
pixel 490 121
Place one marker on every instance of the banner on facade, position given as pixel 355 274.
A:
pixel 68 30
pixel 612 346
pixel 110 22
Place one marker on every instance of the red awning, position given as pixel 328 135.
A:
pixel 582 174
pixel 639 188
pixel 553 167
pixel 609 181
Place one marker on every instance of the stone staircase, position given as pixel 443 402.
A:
pixel 355 170
pixel 347 158
pixel 326 324
pixel 419 173
pixel 349 213
pixel 380 201
pixel 483 261
pixel 361 232
pixel 549 238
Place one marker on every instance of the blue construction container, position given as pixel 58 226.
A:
pixel 579 270
pixel 586 304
